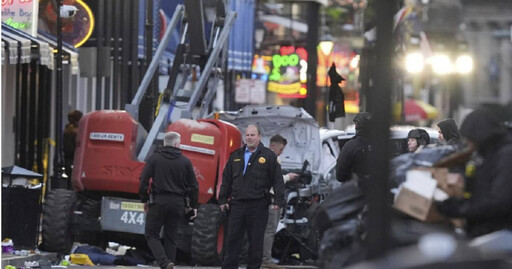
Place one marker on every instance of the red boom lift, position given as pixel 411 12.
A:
pixel 112 147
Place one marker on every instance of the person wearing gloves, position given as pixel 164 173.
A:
pixel 489 208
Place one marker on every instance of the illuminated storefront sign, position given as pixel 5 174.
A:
pixel 75 30
pixel 21 14
pixel 261 67
pixel 288 74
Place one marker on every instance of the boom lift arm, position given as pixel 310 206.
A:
pixel 177 102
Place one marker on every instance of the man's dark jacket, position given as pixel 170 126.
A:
pixel 490 206
pixel 353 158
pixel 263 172
pixel 172 174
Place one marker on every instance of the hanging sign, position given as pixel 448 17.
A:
pixel 250 91
pixel 242 91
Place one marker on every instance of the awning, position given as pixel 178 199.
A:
pixel 285 22
pixel 45 54
pixel 24 44
pixel 416 110
pixel 66 48
pixel 12 49
pixel 16 171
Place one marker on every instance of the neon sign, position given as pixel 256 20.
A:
pixel 288 75
pixel 75 30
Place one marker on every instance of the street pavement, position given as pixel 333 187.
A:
pixel 195 267
pixel 19 261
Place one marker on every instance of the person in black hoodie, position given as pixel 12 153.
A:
pixel 449 132
pixel 69 140
pixel 353 158
pixel 247 178
pixel 490 206
pixel 167 180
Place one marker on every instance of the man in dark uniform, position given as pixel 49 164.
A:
pixel 353 157
pixel 166 181
pixel 248 176
pixel 489 208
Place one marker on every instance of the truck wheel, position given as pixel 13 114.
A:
pixel 57 213
pixel 207 235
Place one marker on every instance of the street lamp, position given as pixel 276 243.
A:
pixel 63 11
pixel 259 34
pixel 326 44
pixel 442 65
pixel 354 63
pixel 414 62
pixel 58 160
pixel 464 64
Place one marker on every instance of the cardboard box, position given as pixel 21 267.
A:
pixel 415 196
pixel 451 183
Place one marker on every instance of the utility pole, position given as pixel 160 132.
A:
pixel 380 107
pixel 58 160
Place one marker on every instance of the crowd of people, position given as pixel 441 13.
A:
pixel 253 190
pixel 487 204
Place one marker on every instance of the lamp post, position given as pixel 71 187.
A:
pixel 326 45
pixel 58 160
pixel 311 45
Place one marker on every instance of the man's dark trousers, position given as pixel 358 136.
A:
pixel 169 211
pixel 250 215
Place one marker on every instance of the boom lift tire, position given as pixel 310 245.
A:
pixel 57 213
pixel 207 235
pixel 89 225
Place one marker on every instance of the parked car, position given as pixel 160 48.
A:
pixel 398 136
